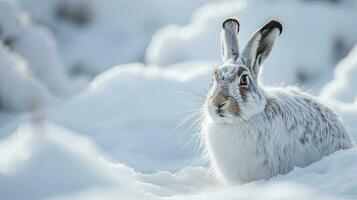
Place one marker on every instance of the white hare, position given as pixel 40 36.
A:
pixel 253 132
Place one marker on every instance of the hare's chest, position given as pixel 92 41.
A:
pixel 235 153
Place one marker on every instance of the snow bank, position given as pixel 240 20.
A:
pixel 131 111
pixel 302 54
pixel 20 90
pixel 91 41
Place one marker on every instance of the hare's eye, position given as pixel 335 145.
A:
pixel 244 80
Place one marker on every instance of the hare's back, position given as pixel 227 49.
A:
pixel 307 119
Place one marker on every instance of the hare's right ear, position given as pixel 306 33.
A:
pixel 229 39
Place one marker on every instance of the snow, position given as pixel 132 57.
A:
pixel 294 56
pixel 36 152
pixel 55 161
pixel 131 134
pixel 145 103
pixel 99 42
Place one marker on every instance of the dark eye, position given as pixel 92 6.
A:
pixel 244 80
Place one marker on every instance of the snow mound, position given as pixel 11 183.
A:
pixel 41 160
pixel 131 111
pixel 20 90
pixel 293 58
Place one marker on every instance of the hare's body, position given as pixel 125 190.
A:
pixel 293 130
pixel 252 132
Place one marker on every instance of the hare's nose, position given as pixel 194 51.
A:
pixel 219 109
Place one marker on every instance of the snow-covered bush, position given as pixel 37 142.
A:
pixel 316 35
pixel 38 47
pixel 20 90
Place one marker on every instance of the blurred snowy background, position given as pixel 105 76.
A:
pixel 98 97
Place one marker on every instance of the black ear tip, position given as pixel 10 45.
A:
pixel 231 20
pixel 273 24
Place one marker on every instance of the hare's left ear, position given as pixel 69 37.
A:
pixel 229 39
pixel 260 45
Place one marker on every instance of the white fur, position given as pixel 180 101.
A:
pixel 262 132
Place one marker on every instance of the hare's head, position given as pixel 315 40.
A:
pixel 235 93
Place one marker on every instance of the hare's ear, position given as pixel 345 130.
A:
pixel 260 45
pixel 229 39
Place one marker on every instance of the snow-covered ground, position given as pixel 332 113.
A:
pixel 131 134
